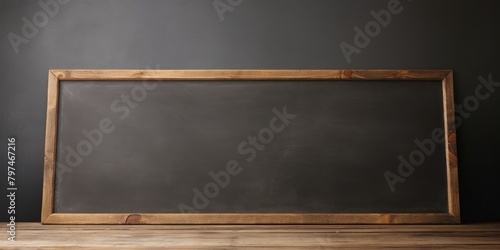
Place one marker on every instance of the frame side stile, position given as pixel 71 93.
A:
pixel 451 148
pixel 50 147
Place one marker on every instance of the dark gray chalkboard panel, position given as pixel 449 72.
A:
pixel 243 146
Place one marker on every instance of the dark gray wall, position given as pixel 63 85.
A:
pixel 257 34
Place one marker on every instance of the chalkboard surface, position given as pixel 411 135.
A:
pixel 248 146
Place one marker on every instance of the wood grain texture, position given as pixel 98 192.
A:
pixel 36 236
pixel 50 146
pixel 48 217
pixel 250 74
pixel 451 147
pixel 261 218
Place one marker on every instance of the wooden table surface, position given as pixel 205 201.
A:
pixel 37 236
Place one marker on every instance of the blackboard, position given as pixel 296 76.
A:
pixel 250 147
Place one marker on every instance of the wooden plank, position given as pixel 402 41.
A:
pixel 250 74
pixel 451 147
pixel 50 147
pixel 484 227
pixel 213 218
pixel 36 236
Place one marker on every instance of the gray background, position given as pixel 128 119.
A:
pixel 458 35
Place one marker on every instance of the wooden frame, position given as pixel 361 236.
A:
pixel 55 76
